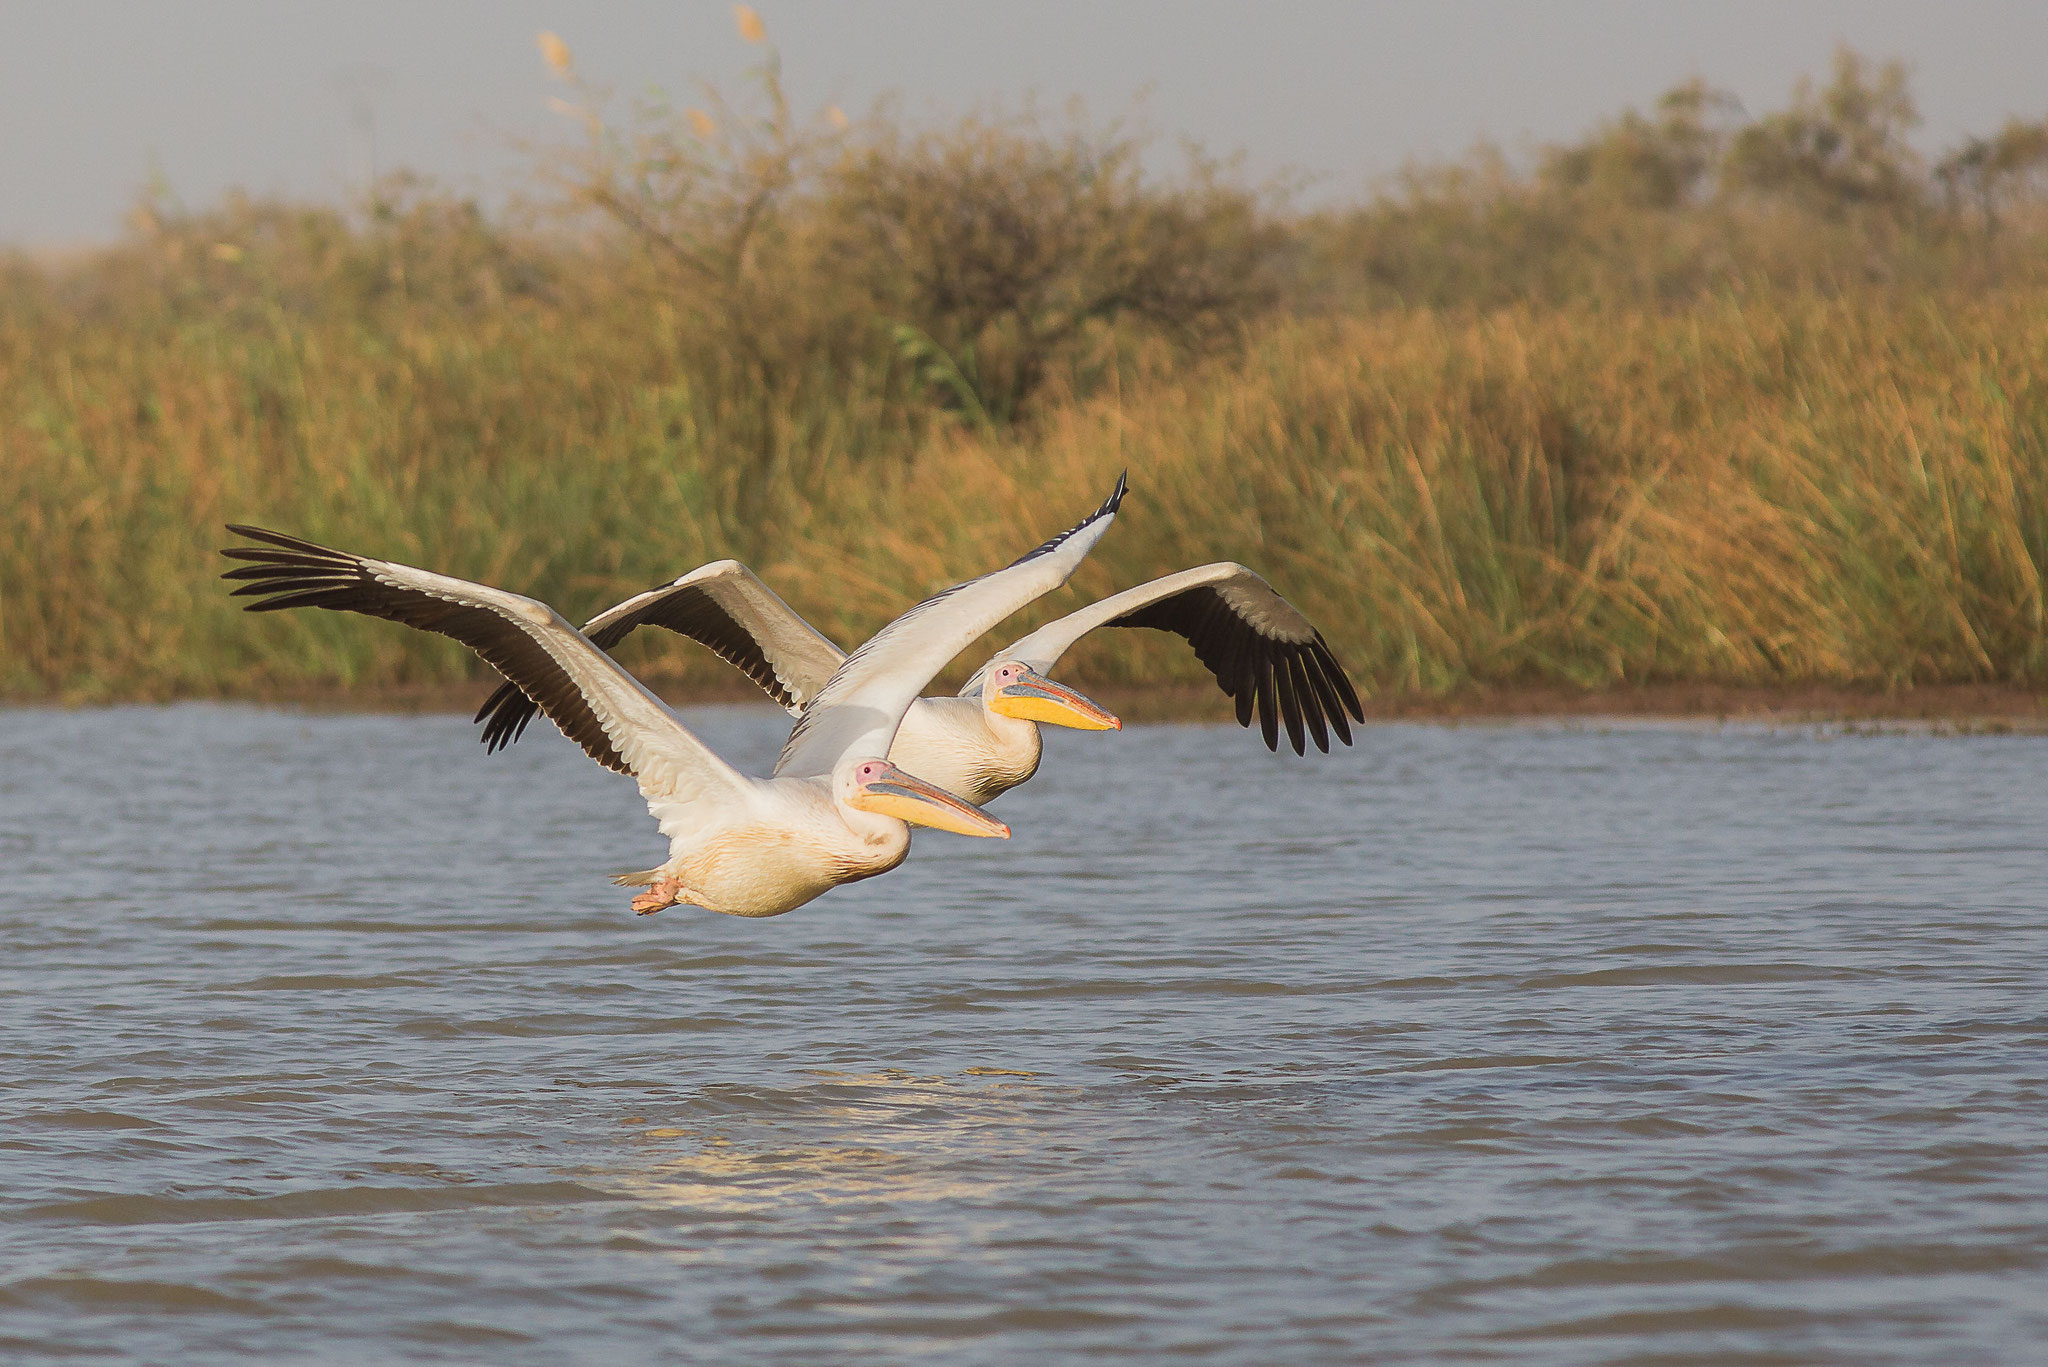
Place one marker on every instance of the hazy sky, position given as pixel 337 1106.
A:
pixel 269 96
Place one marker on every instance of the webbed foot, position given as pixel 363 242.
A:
pixel 665 893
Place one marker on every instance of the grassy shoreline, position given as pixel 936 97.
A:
pixel 1786 492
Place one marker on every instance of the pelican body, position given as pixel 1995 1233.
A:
pixel 836 809
pixel 987 741
pixel 785 842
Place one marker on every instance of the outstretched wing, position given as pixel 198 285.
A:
pixel 721 605
pixel 581 689
pixel 860 706
pixel 1263 652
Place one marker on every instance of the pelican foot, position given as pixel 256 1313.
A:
pixel 665 893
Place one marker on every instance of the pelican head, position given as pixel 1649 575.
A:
pixel 876 785
pixel 1014 689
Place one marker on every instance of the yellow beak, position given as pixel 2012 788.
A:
pixel 1033 697
pixel 909 798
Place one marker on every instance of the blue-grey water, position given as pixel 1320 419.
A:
pixel 324 1039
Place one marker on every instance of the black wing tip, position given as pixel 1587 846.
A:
pixel 1108 509
pixel 255 533
pixel 1273 680
pixel 283 571
pixel 1116 495
pixel 1338 676
pixel 282 546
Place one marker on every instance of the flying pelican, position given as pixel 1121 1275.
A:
pixel 835 811
pixel 984 741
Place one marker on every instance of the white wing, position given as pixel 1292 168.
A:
pixel 722 605
pixel 1257 644
pixel 859 708
pixel 581 689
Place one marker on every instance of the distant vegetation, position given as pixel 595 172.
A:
pixel 1702 396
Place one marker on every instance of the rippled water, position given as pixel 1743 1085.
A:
pixel 325 1039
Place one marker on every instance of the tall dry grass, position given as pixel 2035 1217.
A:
pixel 1761 490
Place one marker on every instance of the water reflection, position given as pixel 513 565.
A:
pixel 888 1136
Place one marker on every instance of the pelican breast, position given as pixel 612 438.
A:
pixel 765 871
pixel 959 745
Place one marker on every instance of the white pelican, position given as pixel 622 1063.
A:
pixel 985 741
pixel 835 810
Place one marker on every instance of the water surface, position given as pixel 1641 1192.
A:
pixel 323 1038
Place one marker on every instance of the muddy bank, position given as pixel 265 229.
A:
pixel 1980 706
